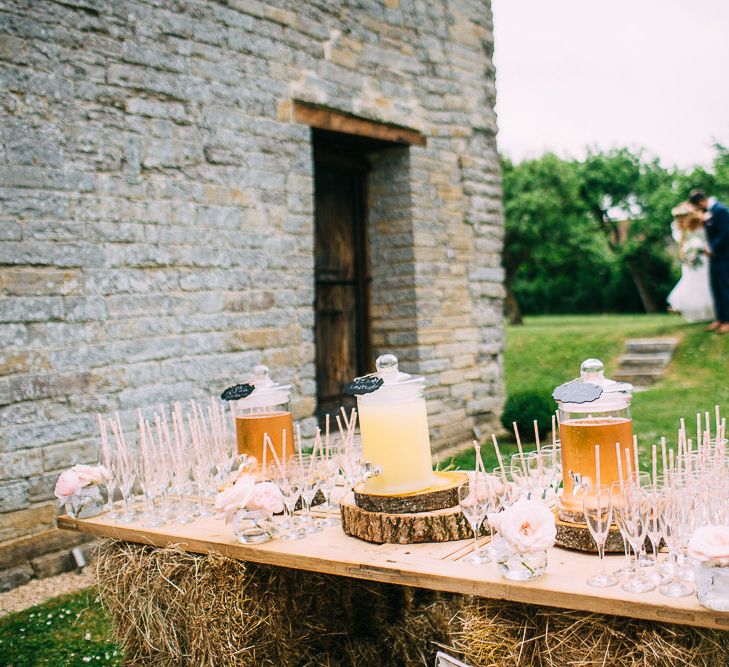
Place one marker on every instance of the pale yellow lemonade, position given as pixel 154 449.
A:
pixel 395 438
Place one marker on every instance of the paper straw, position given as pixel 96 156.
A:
pixel 597 467
pixel 670 462
pixel 536 436
pixel 654 457
pixel 344 416
pixel 698 429
pixel 327 435
pixel 663 459
pixel 620 463
pixel 265 451
pixel 498 455
pixel 554 432
pixel 283 445
pixel 629 464
pixel 267 443
pixel 636 462
pixel 518 444
pixel 718 422
pixel 297 433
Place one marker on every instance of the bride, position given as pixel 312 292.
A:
pixel 691 296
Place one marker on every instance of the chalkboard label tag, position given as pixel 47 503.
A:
pixel 364 385
pixel 577 392
pixel 237 391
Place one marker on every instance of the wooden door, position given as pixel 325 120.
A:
pixel 343 348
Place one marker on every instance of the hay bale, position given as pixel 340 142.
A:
pixel 493 632
pixel 172 607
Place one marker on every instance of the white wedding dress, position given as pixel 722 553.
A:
pixel 691 296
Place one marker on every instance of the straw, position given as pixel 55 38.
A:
pixel 344 416
pixel 536 436
pixel 283 445
pixel 663 458
pixel 518 444
pixel 655 467
pixel 670 461
pixel 635 455
pixel 718 422
pixel 267 443
pixel 479 460
pixel 265 451
pixel 620 464
pixel 554 443
pixel 498 455
pixel 629 464
pixel 597 468
pixel 327 435
pixel 297 443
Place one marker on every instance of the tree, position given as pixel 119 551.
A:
pixel 630 201
pixel 543 208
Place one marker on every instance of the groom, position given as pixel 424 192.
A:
pixel 716 224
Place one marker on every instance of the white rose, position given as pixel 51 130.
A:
pixel 267 497
pixel 710 544
pixel 229 501
pixel 528 525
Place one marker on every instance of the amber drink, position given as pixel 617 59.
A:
pixel 579 437
pixel 266 409
pixel 593 410
pixel 250 429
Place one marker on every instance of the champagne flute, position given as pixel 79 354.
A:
pixel 597 505
pixel 473 498
pixel 288 479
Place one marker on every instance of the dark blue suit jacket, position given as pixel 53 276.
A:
pixel 717 234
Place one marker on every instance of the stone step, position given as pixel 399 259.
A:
pixel 642 378
pixel 657 360
pixel 641 345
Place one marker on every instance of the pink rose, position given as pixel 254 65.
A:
pixel 710 544
pixel 229 501
pixel 528 525
pixel 91 474
pixel 267 497
pixel 68 484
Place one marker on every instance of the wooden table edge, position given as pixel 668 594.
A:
pixel 417 570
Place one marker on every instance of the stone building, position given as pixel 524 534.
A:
pixel 190 188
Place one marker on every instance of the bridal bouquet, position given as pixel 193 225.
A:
pixel 248 494
pixel 78 490
pixel 692 253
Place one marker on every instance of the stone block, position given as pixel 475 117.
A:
pixel 15 576
pixel 21 523
pixel 52 564
pixel 13 495
pixel 42 542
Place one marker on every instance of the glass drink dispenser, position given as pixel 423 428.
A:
pixel 394 427
pixel 267 409
pixel 593 410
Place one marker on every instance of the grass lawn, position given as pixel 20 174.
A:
pixel 548 350
pixel 67 631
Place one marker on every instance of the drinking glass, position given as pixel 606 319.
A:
pixel 310 483
pixel 474 497
pixel 597 505
pixel 510 490
pixel 635 507
pixel 289 479
pixel 127 462
pixel 673 522
pixel 552 462
pixel 329 474
pixel 538 483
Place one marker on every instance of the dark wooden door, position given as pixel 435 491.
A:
pixel 343 348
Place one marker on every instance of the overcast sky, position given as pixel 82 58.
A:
pixel 604 73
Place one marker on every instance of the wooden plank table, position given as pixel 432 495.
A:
pixel 433 566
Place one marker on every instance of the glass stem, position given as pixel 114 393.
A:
pixel 474 527
pixel 601 556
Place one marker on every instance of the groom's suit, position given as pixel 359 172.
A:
pixel 717 235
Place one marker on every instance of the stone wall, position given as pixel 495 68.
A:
pixel 156 211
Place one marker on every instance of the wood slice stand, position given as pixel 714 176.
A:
pixel 577 536
pixel 443 525
pixel 441 495
pixel 430 515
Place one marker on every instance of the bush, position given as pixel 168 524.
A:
pixel 526 406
